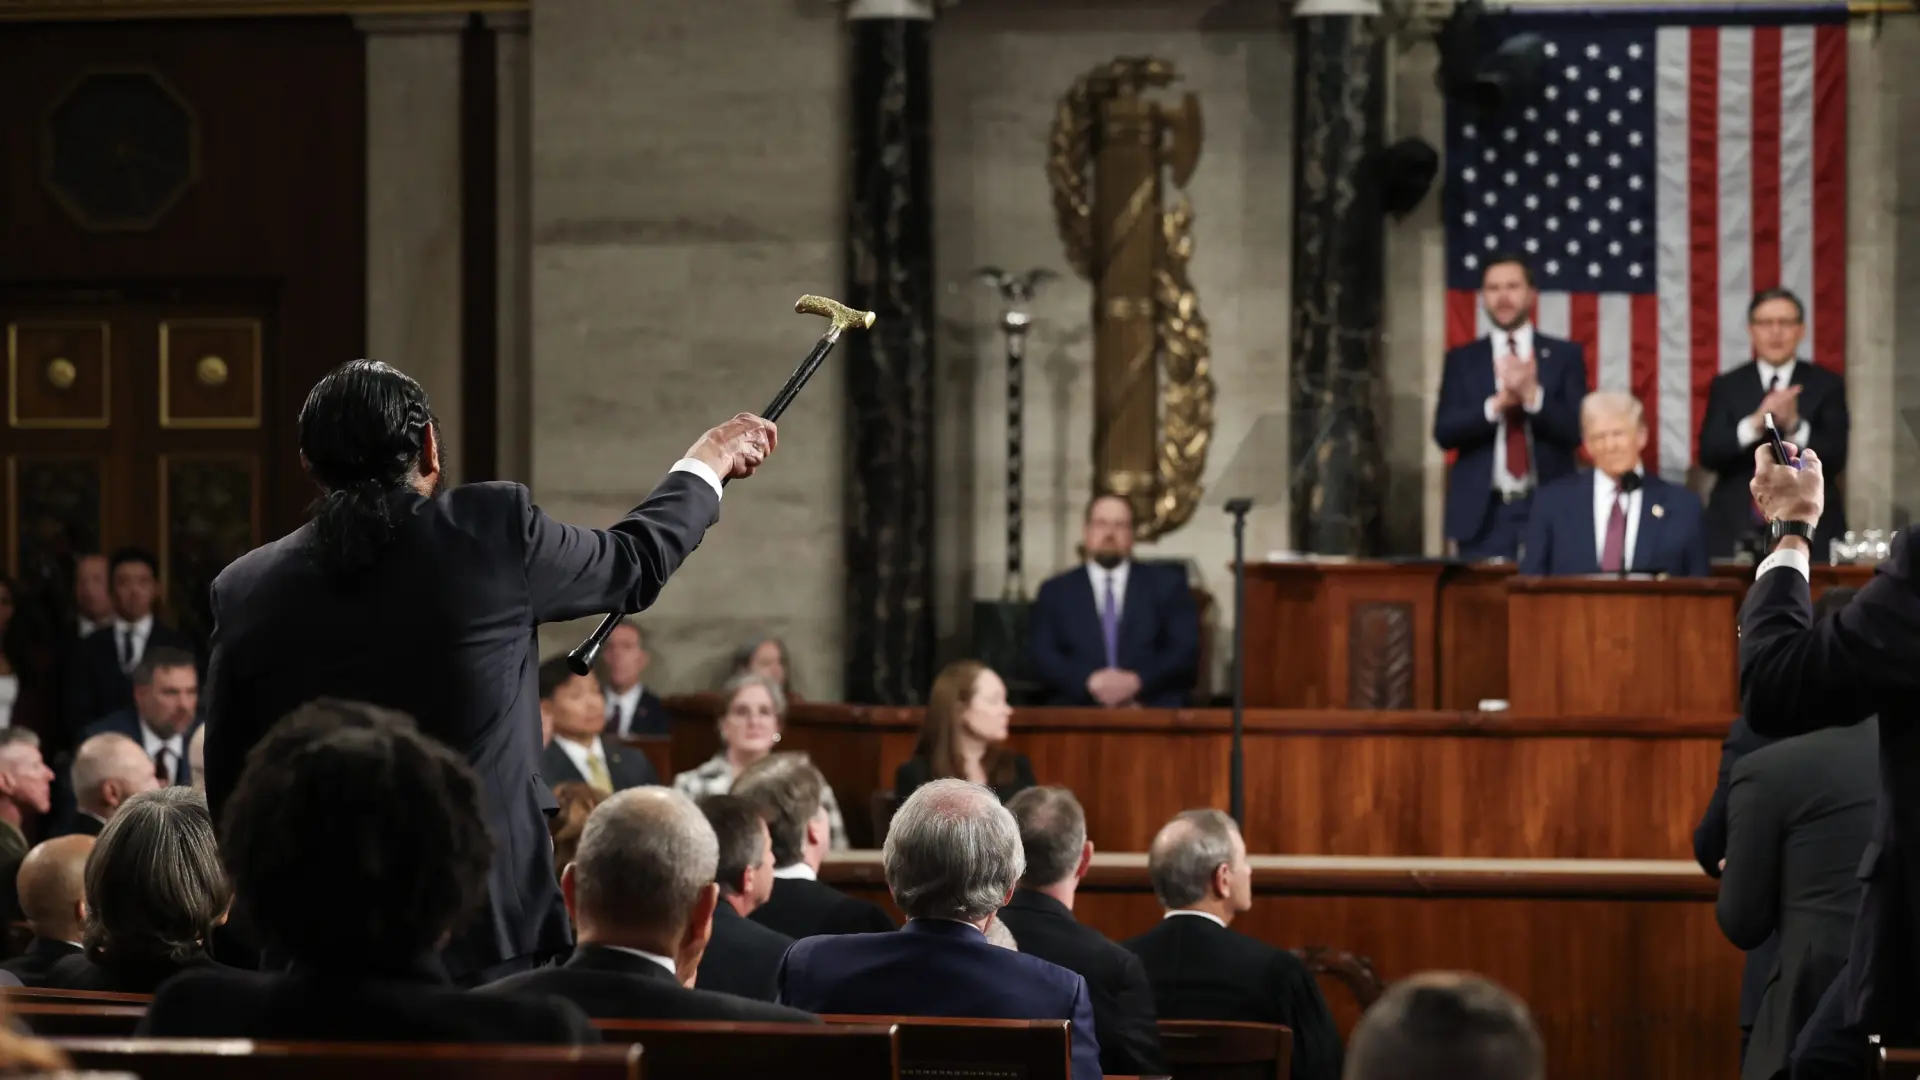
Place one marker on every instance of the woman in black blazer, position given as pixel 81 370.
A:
pixel 964 734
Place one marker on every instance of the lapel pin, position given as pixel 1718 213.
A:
pixel 1659 511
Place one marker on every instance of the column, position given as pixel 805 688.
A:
pixel 889 369
pixel 513 421
pixel 413 207
pixel 1338 267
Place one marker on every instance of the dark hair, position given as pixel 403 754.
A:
pixel 363 431
pixel 952 690
pixel 1507 258
pixel 353 838
pixel 1086 515
pixel 736 823
pixel 1440 1025
pixel 1832 601
pixel 1769 295
pixel 553 675
pixel 788 789
pixel 124 555
pixel 160 656
pixel 1053 833
pixel 155 889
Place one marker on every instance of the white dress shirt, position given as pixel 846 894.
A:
pixel 88 626
pixel 1207 915
pixel 702 470
pixel 1605 491
pixel 175 746
pixel 1751 431
pixel 580 755
pixel 663 961
pixel 9 697
pixel 1099 575
pixel 798 871
pixel 1519 342
pixel 620 709
pixel 141 631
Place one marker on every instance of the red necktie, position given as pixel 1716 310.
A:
pixel 1516 435
pixel 1614 553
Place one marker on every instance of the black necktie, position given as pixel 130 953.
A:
pixel 162 770
pixel 126 648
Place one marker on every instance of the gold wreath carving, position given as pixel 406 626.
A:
pixel 61 373
pixel 211 371
pixel 1186 400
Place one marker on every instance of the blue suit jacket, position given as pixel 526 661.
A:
pixel 1560 530
pixel 1159 635
pixel 1460 423
pixel 932 967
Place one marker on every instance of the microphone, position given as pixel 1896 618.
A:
pixel 1627 484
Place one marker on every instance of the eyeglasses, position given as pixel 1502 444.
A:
pixel 1774 324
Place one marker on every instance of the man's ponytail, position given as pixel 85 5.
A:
pixel 363 435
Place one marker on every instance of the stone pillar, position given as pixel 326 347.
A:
pixel 889 369
pixel 413 207
pixel 1338 267
pixel 514 156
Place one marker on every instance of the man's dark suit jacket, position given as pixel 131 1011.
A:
pixel 96 687
pixel 626 767
pixel 1710 846
pixel 1123 1017
pixel 1798 817
pixel 1734 396
pixel 442 628
pixel 608 984
pixel 32 965
pixel 412 1003
pixel 78 972
pixel 800 908
pixel 649 717
pixel 1159 635
pixel 1460 424
pixel 1201 970
pixel 933 967
pixel 1560 530
pixel 1798 676
pixel 742 957
pixel 127 722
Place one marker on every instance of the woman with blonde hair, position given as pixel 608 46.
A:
pixel 751 726
pixel 963 735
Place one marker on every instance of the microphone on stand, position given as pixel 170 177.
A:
pixel 1628 484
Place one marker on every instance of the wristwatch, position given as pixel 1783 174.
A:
pixel 1780 530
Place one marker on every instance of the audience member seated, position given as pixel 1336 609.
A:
pixel 766 656
pixel 952 859
pixel 577 753
pixel 163 715
pixel 963 734
pixel 155 893
pixel 1615 517
pixel 642 895
pixel 1446 1026
pixel 357 847
pixel 1115 632
pixel 1202 970
pixel 1053 836
pixel 108 769
pixel 750 727
pixel 632 709
pixel 53 895
pixel 789 792
pixel 743 956
pixel 98 679
pixel 577 800
pixel 26 786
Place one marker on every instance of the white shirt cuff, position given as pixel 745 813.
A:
pixel 1538 401
pixel 1795 558
pixel 1493 415
pixel 702 470
pixel 1749 432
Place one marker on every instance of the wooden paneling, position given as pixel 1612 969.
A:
pixel 210 373
pixel 1598 646
pixel 57 373
pixel 1342 635
pixel 1473 636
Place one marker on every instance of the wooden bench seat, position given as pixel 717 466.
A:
pixel 696 1050
pixel 1223 1050
pixel 244 1059
pixel 48 1018
pixel 940 1048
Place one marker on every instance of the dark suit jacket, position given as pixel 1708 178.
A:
pixel 1710 846
pixel 442 628
pixel 1159 636
pixel 933 967
pixel 127 722
pixel 801 909
pixel 626 767
pixel 1123 1017
pixel 1460 424
pixel 96 687
pixel 742 957
pixel 77 972
pixel 1797 676
pixel 1798 817
pixel 413 1003
pixel 916 770
pixel 1732 397
pixel 649 717
pixel 608 984
pixel 1201 970
pixel 41 954
pixel 1560 530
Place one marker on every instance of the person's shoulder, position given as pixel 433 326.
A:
pixel 1057 582
pixel 195 992
pixel 1820 375
pixel 1734 374
pixel 745 1010
pixel 1472 350
pixel 1031 971
pixel 237 575
pixel 1568 488
pixel 122 722
pixel 482 504
pixel 1549 346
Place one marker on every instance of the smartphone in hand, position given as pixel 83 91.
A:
pixel 1779 447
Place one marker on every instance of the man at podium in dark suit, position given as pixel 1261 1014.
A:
pixel 1115 632
pixel 1615 518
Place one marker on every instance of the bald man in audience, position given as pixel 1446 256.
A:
pixel 743 955
pixel 1446 1026
pixel 52 885
pixel 108 770
pixel 1202 970
pixel 642 895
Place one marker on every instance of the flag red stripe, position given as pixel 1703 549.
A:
pixel 1646 371
pixel 1460 316
pixel 1583 327
pixel 1766 158
pixel 1830 197
pixel 1703 199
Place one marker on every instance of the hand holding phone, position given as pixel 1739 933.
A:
pixel 1779 446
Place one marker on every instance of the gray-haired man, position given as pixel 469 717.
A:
pixel 952 857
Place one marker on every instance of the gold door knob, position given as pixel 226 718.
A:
pixel 61 373
pixel 211 370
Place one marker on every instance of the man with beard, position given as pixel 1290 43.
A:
pixel 1115 632
pixel 1510 410
pixel 402 596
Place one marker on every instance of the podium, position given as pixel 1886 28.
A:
pixel 1607 646
pixel 1332 634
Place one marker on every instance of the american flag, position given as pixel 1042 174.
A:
pixel 1664 173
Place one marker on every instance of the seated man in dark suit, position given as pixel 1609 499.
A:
pixel 1053 836
pixel 53 895
pixel 574 707
pixel 743 955
pixel 108 769
pixel 641 893
pixel 787 789
pixel 1442 1025
pixel 632 709
pixel 356 845
pixel 952 857
pixel 164 713
pixel 1615 518
pixel 98 682
pixel 1115 632
pixel 1201 970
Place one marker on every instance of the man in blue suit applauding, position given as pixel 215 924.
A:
pixel 1615 518
pixel 1510 406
